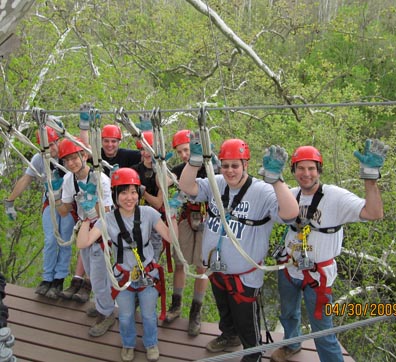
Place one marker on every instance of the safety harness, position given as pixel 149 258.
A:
pixel 139 272
pixel 318 286
pixel 232 282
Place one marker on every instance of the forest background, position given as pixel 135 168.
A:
pixel 249 60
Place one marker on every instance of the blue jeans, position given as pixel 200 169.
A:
pixel 126 315
pixel 291 294
pixel 56 258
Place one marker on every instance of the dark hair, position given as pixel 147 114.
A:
pixel 319 167
pixel 118 189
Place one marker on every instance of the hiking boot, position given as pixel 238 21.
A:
pixel 221 343
pixel 74 287
pixel 283 354
pixel 152 354
pixel 92 312
pixel 174 310
pixel 127 354
pixel 43 288
pixel 56 288
pixel 83 294
pixel 101 325
pixel 194 322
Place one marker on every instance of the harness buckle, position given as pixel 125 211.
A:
pixel 218 266
pixel 145 282
pixel 304 262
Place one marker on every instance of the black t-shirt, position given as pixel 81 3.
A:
pixel 123 158
pixel 177 170
pixel 147 178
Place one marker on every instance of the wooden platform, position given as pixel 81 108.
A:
pixel 57 331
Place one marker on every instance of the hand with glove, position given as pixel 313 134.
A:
pixel 175 203
pixel 87 199
pixel 372 159
pixel 114 168
pixel 145 122
pixel 86 116
pixel 10 209
pixel 56 183
pixel 274 161
pixel 196 153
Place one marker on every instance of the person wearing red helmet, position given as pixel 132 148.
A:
pixel 129 227
pixel 252 207
pixel 190 226
pixel 152 194
pixel 80 189
pixel 56 259
pixel 314 241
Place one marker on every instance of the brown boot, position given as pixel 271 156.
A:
pixel 194 323
pixel 74 287
pixel 84 292
pixel 101 325
pixel 174 310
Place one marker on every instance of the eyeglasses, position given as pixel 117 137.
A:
pixel 234 166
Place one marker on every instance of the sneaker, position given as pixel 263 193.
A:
pixel 92 312
pixel 74 287
pixel 221 343
pixel 83 294
pixel 43 288
pixel 101 325
pixel 127 354
pixel 152 354
pixel 56 288
pixel 283 354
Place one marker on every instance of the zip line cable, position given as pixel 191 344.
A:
pixel 299 339
pixel 228 108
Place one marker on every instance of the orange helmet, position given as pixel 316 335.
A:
pixel 181 137
pixel 125 176
pixel 51 134
pixel 111 131
pixel 234 149
pixel 306 153
pixel 67 147
pixel 149 137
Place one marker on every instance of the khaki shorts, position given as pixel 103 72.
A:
pixel 190 244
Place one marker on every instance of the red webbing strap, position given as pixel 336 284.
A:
pixel 320 289
pixel 237 292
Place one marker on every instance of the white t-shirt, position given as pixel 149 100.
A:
pixel 69 191
pixel 337 206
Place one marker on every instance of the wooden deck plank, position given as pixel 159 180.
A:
pixel 48 331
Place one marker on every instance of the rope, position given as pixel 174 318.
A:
pixel 206 148
pixel 40 116
pixel 160 153
pixel 299 339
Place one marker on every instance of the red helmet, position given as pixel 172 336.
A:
pixel 111 131
pixel 148 135
pixel 306 153
pixel 67 147
pixel 181 137
pixel 125 176
pixel 234 149
pixel 51 134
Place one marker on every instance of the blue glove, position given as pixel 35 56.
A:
pixel 86 116
pixel 56 183
pixel 372 159
pixel 10 210
pixel 216 163
pixel 175 203
pixel 144 122
pixel 114 168
pixel 274 161
pixel 196 153
pixel 89 187
pixel 87 203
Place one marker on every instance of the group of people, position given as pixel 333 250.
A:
pixel 136 225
